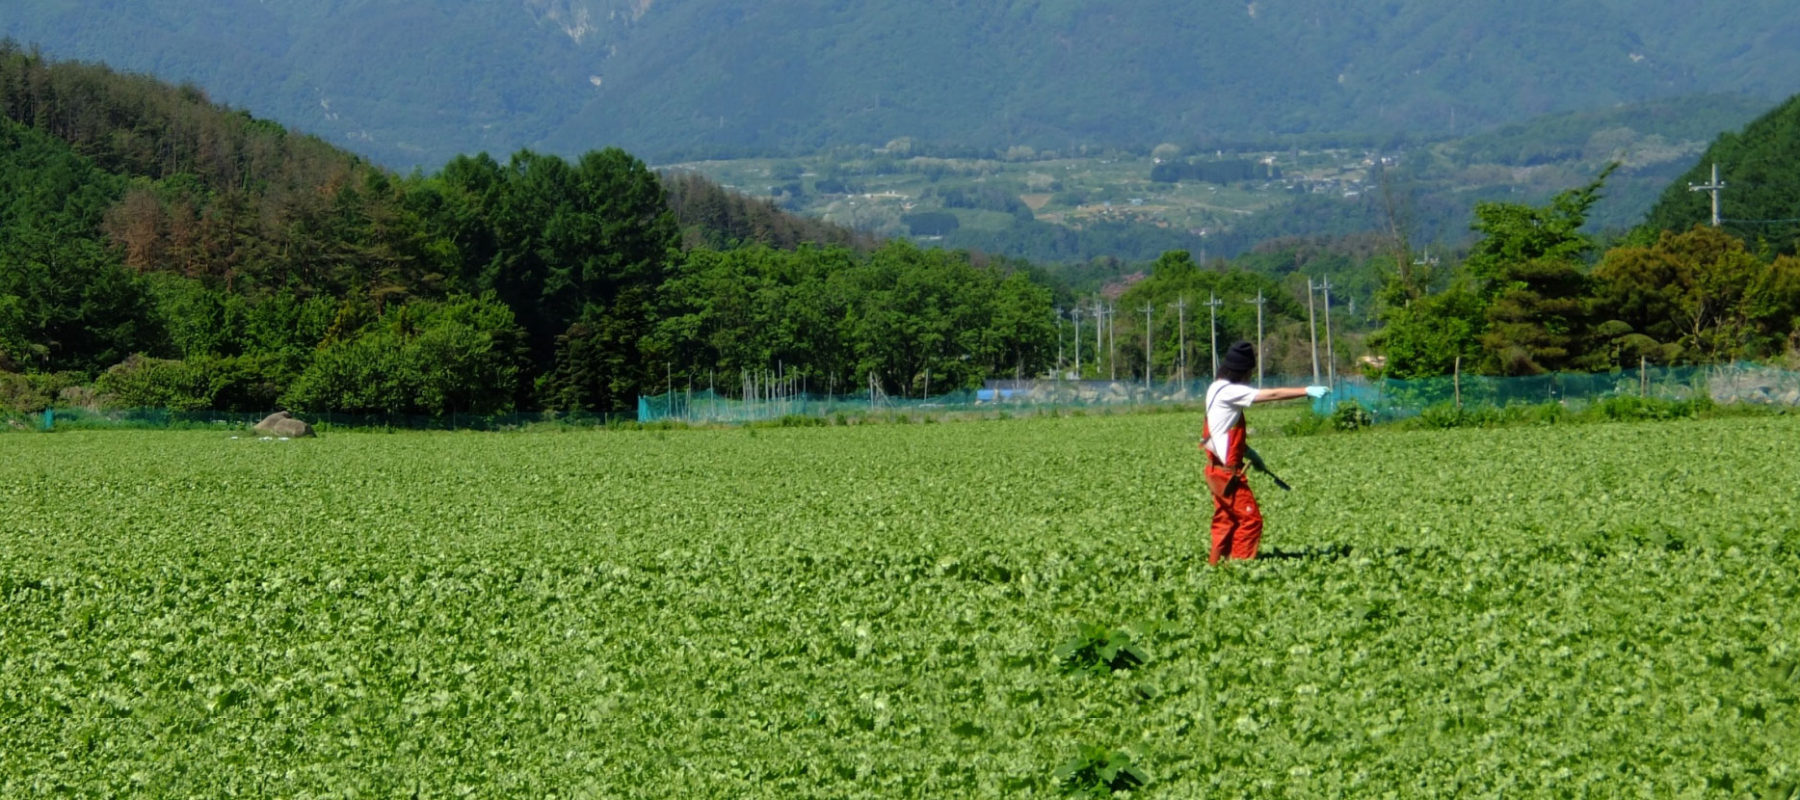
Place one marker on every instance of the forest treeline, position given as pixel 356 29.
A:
pixel 1536 295
pixel 158 250
pixel 165 252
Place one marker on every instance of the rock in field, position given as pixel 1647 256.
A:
pixel 281 423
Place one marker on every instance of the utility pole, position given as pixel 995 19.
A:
pixel 1148 369
pixel 1312 325
pixel 1059 361
pixel 1181 373
pixel 1099 334
pixel 1112 340
pixel 1713 189
pixel 1212 337
pixel 1428 261
pixel 1330 357
pixel 1076 313
pixel 1258 302
pixel 1417 282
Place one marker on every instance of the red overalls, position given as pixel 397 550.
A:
pixel 1237 522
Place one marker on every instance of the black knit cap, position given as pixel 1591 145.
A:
pixel 1241 358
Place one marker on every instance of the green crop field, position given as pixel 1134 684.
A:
pixel 899 611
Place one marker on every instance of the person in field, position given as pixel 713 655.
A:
pixel 1237 522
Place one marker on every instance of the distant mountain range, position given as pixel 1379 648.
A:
pixel 414 83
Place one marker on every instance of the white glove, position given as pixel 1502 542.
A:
pixel 1317 391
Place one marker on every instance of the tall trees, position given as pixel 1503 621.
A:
pixel 1538 320
pixel 1176 279
pixel 1531 258
pixel 1024 326
pixel 1514 233
pixel 215 194
pixel 69 305
pixel 65 302
pixel 921 318
pixel 1698 296
pixel 913 320
pixel 457 207
pixel 576 251
pixel 1523 305
pixel 459 356
pixel 196 256
pixel 1433 334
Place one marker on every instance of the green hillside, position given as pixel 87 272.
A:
pixel 159 251
pixel 1760 168
pixel 416 83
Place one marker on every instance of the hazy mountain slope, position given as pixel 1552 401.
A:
pixel 416 82
pixel 799 74
pixel 406 83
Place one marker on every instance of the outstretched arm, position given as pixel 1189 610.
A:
pixel 1290 393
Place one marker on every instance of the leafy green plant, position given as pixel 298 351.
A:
pixel 33 392
pixel 1351 416
pixel 1307 423
pixel 1098 649
pixel 1627 407
pixel 1099 772
pixel 1441 416
pixel 154 382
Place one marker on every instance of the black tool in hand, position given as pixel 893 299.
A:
pixel 1256 462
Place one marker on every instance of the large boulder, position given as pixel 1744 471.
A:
pixel 281 423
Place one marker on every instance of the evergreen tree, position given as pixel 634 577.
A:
pixel 1538 297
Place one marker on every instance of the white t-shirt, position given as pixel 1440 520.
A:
pixel 1225 404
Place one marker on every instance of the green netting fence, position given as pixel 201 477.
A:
pixel 1383 399
pixel 1009 396
pixel 1740 383
pixel 1024 396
